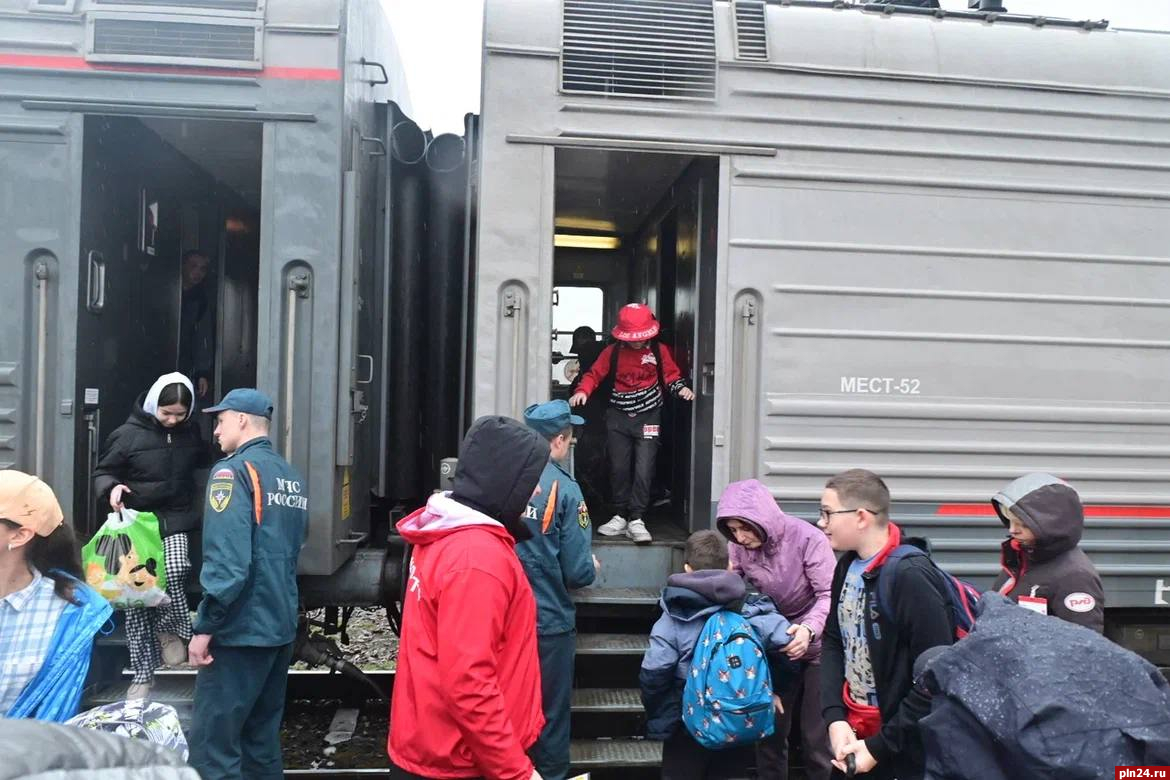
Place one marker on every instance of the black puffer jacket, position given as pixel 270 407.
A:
pixel 158 465
pixel 1055 569
pixel 1028 698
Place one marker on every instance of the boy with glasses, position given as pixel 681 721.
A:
pixel 867 660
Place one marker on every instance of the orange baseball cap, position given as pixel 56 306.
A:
pixel 28 501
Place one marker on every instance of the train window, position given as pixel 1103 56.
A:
pixel 572 308
pixel 59 6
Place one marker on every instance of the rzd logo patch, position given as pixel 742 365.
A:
pixel 583 515
pixel 219 489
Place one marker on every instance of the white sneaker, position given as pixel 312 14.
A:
pixel 615 527
pixel 636 530
pixel 174 650
pixel 138 691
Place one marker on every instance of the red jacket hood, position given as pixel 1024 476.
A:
pixel 443 516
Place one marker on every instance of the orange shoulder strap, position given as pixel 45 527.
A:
pixel 550 509
pixel 257 504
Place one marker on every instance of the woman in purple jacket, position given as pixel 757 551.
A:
pixel 791 561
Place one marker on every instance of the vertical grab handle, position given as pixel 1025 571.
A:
pixel 298 288
pixel 41 277
pixel 95 282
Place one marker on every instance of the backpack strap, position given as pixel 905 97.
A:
pixel 888 573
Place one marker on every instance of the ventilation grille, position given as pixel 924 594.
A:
pixel 642 48
pixel 159 40
pixel 210 5
pixel 751 32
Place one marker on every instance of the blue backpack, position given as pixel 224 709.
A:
pixel 727 700
pixel 962 596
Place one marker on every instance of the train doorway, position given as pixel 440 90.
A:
pixel 170 250
pixel 639 227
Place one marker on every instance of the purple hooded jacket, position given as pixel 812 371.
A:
pixel 794 566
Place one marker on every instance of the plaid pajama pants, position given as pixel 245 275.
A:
pixel 144 625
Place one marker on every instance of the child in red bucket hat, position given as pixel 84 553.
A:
pixel 642 370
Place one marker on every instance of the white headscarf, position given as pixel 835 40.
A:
pixel 150 405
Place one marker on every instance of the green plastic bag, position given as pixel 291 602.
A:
pixel 124 561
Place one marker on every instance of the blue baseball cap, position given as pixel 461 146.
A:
pixel 549 419
pixel 248 400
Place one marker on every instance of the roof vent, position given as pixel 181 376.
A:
pixel 640 48
pixel 751 32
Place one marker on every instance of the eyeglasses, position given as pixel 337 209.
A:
pixel 827 514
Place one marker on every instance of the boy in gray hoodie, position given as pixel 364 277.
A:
pixel 706 587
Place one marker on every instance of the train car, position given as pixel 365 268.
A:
pixel 135 131
pixel 930 243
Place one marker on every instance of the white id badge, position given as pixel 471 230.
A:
pixel 1034 604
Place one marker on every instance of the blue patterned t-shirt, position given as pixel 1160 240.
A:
pixel 851 617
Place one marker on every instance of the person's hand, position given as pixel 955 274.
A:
pixel 779 705
pixel 578 399
pixel 199 650
pixel 840 737
pixel 116 497
pixel 860 751
pixel 596 565
pixel 687 394
pixel 202 385
pixel 535 775
pixel 801 639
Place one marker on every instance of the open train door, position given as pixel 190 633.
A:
pixel 37 197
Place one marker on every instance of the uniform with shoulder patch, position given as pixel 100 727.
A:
pixel 219 489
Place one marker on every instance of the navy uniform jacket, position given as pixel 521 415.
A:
pixel 254 524
pixel 558 558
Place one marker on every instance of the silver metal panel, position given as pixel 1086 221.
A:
pixel 167 38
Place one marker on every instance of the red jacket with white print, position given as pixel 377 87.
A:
pixel 467 691
pixel 635 383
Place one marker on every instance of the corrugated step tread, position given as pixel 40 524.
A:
pixel 624 596
pixel 607 700
pixel 175 691
pixel 606 753
pixel 612 644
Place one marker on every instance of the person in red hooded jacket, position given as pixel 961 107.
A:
pixel 467 696
pixel 642 371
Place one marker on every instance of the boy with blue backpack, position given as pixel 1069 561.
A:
pixel 706 683
pixel 890 603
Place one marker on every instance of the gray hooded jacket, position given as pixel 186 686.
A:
pixel 33 750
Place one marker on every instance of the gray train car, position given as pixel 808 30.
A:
pixel 134 131
pixel 933 244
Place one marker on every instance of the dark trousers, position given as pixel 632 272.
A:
pixel 239 701
pixel 772 752
pixel 551 751
pixel 685 759
pixel 630 449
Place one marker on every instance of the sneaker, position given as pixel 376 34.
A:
pixel 138 691
pixel 174 649
pixel 615 527
pixel 636 530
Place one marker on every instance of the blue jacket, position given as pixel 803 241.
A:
pixel 687 601
pixel 558 558
pixel 253 528
pixel 55 693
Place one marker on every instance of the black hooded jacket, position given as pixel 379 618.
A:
pixel 500 463
pixel 1027 698
pixel 158 465
pixel 1055 569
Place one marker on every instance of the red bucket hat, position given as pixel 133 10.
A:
pixel 635 323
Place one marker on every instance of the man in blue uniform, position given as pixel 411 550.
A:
pixel 253 528
pixel 557 559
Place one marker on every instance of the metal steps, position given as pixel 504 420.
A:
pixel 612 644
pixel 587 754
pixel 628 700
pixel 618 597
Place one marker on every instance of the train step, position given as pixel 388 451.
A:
pixel 618 597
pixel 606 700
pixel 612 644
pixel 589 754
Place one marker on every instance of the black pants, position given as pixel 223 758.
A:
pixel 632 447
pixel 685 759
pixel 772 752
pixel 239 701
pixel 550 754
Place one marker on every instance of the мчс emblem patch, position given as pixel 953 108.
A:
pixel 219 489
pixel 583 515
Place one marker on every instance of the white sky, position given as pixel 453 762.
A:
pixel 441 45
